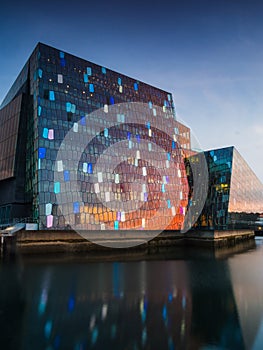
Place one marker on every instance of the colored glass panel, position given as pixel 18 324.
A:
pixel 42 152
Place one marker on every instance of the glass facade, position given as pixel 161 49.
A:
pixel 13 120
pixel 235 194
pixel 70 96
pixel 84 147
pixel 183 137
pixel 9 121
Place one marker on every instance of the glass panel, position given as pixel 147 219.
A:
pixel 41 152
pixel 60 78
pixel 91 88
pixel 51 95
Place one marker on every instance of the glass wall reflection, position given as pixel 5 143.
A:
pixel 195 303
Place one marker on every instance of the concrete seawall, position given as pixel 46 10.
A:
pixel 27 242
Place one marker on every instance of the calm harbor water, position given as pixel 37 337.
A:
pixel 189 301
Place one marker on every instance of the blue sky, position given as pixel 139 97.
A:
pixel 209 54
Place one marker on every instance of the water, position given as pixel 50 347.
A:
pixel 187 301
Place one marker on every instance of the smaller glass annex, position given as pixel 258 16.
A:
pixel 235 194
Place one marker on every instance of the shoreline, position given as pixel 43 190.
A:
pixel 167 245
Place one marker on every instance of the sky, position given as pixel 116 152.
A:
pixel 208 54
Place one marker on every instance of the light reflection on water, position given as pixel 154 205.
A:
pixel 190 303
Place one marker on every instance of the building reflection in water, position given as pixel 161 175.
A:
pixel 248 293
pixel 172 304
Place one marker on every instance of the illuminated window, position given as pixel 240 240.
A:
pixel 85 78
pixel 41 152
pixel 45 133
pixel 91 88
pixel 57 187
pixel 60 78
pixel 66 175
pixel 51 95
pixel 90 171
pixel 76 207
pixel 83 121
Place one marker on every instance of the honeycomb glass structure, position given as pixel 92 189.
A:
pixel 235 194
pixel 67 95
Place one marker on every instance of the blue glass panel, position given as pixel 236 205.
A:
pixel 135 85
pixel 82 120
pixel 148 125
pixel 116 225
pixel 56 187
pixel 41 152
pixel 89 71
pixel 138 138
pixel 73 108
pixel 163 188
pixel 119 81
pixel 62 62
pixel 85 78
pixel 212 153
pixel 168 156
pixel 40 73
pixel 103 70
pixel 173 145
pixel 51 95
pixel 39 110
pixel 168 203
pixel 68 106
pixel 61 54
pixel 91 88
pixel 66 175
pixel 45 133
pixel 128 135
pixel 112 100
pixel 90 168
pixel 106 132
pixel 76 207
pixel 150 104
